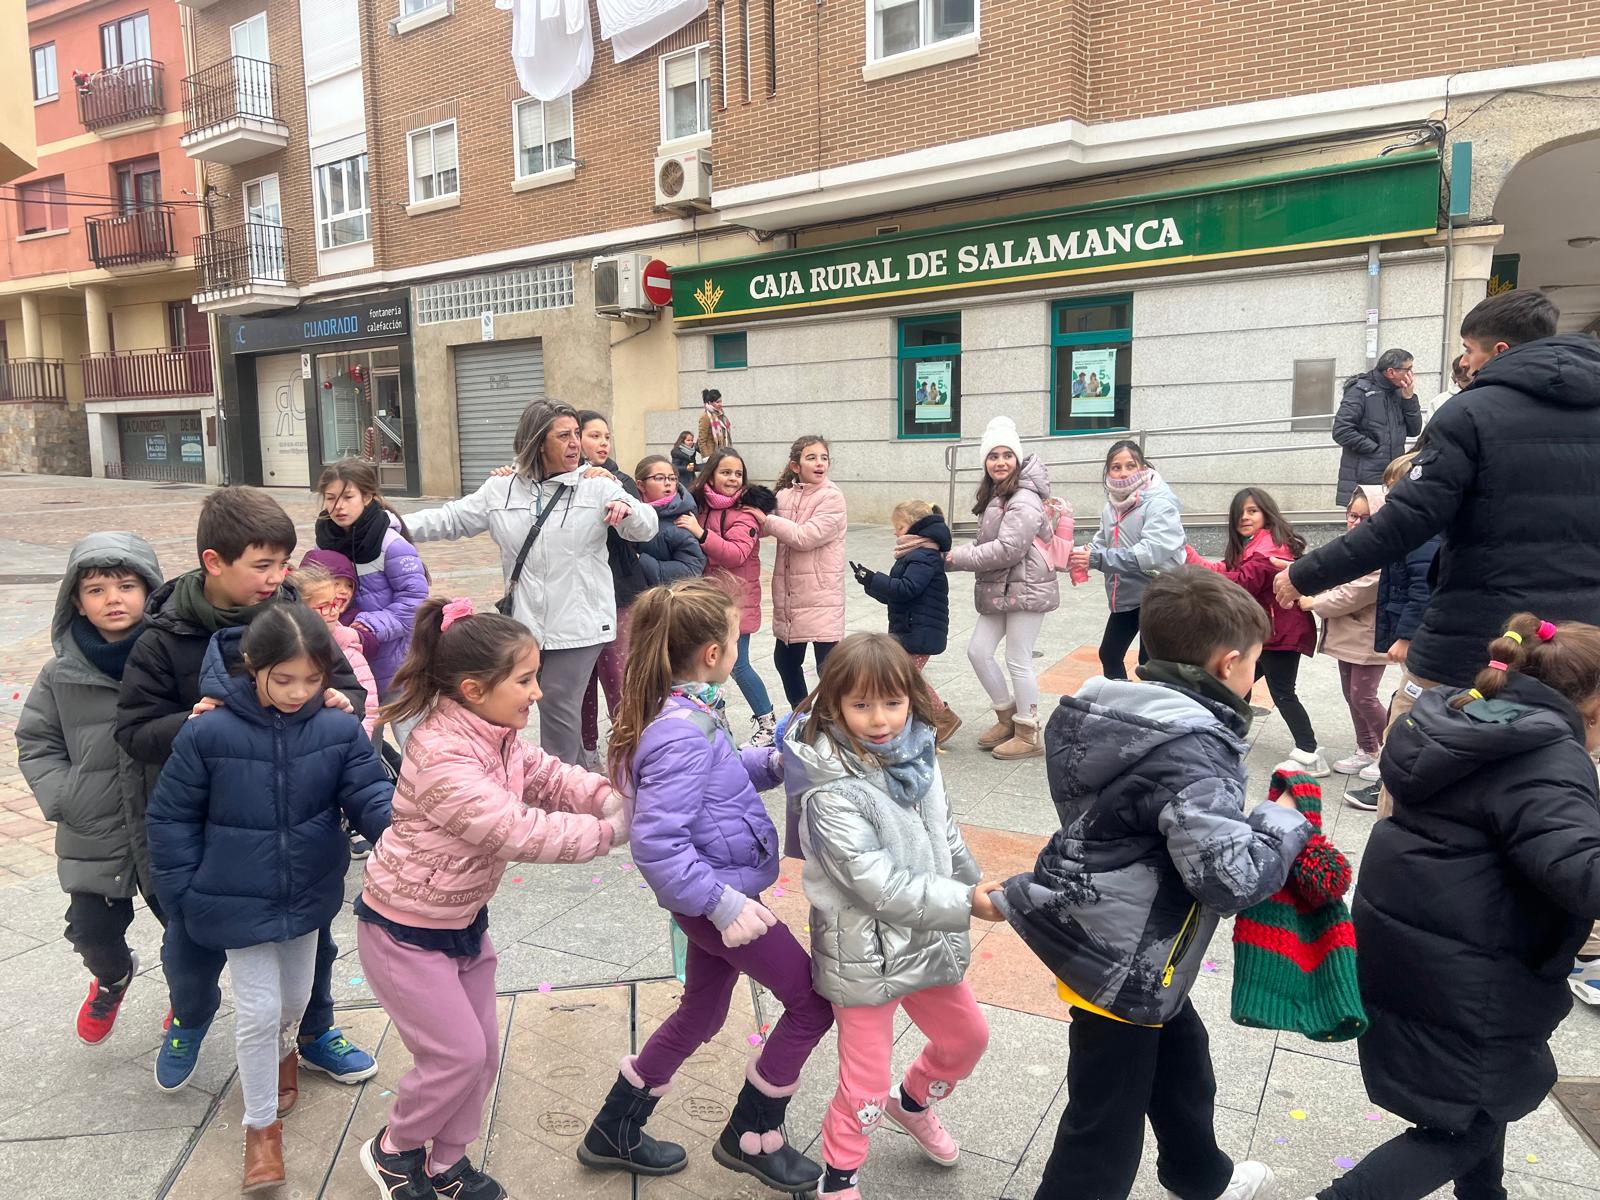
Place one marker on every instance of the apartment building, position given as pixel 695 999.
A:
pixel 107 362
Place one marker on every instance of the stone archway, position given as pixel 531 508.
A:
pixel 1549 208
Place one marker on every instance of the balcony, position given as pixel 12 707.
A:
pixel 231 109
pixel 147 374
pixel 122 99
pixel 131 243
pixel 32 380
pixel 244 269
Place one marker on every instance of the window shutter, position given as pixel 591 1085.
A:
pixel 444 148
pixel 35 208
pixel 530 125
pixel 422 154
pixel 558 121
pixel 683 69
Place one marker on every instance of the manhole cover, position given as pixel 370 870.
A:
pixel 1581 1100
pixel 22 579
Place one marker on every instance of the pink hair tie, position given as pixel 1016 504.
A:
pixel 1496 665
pixel 1547 630
pixel 454 611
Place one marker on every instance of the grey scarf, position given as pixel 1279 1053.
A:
pixel 903 765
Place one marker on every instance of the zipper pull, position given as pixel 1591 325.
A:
pixel 1166 976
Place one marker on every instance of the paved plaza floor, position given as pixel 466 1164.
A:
pixel 586 970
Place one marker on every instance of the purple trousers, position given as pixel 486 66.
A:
pixel 1367 713
pixel 774 960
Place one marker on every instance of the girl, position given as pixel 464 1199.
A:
pixel 708 850
pixel 390 579
pixel 716 430
pixel 1014 589
pixel 1486 875
pixel 684 453
pixel 1257 534
pixel 1141 535
pixel 1349 617
pixel 808 573
pixel 674 553
pixel 471 797
pixel 730 534
pixel 892 889
pixel 251 857
pixel 918 595
pixel 325 580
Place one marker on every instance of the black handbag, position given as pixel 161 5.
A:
pixel 507 603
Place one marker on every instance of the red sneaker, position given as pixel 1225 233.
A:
pixel 98 1013
pixel 166 1022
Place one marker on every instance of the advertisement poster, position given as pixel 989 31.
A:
pixel 155 448
pixel 189 448
pixel 933 392
pixel 1094 383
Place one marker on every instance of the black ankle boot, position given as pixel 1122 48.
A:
pixel 616 1141
pixel 784 1169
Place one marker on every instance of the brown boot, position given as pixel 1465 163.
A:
pixel 945 724
pixel 1000 731
pixel 288 1082
pixel 263 1157
pixel 1024 743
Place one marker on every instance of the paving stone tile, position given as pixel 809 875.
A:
pixel 55 1168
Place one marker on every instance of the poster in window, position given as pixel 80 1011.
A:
pixel 155 448
pixel 1094 383
pixel 933 401
pixel 190 449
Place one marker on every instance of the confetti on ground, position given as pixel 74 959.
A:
pixel 642 886
pixel 764 1028
pixel 1533 1158
pixel 1299 1114
pixel 754 1039
pixel 777 891
pixel 627 866
pixel 783 879
pixel 1208 966
pixel 516 879
pixel 1344 1162
pixel 1372 1117
pixel 1280 1141
pixel 385 1092
pixel 985 954
pixel 16 695
pixel 808 929
pixel 544 987
pixel 594 879
pixel 355 981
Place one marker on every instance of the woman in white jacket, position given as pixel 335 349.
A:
pixel 564 594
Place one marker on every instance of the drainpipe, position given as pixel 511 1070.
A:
pixel 1372 305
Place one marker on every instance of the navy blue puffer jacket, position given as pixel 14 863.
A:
pixel 245 843
pixel 917 591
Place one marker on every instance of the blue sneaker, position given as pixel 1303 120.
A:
pixel 336 1055
pixel 180 1050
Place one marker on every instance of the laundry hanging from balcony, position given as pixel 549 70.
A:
pixel 636 25
pixel 553 49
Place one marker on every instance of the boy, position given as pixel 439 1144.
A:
pixel 82 782
pixel 245 540
pixel 1148 779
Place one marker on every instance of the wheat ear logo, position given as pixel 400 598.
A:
pixel 709 295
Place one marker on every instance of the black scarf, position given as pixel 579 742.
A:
pixel 363 541
pixel 1191 678
pixel 109 658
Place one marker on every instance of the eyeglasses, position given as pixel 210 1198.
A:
pixel 659 479
pixel 329 608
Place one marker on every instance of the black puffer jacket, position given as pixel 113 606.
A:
pixel 1510 474
pixel 1472 901
pixel 917 591
pixel 1404 589
pixel 673 553
pixel 627 576
pixel 1372 425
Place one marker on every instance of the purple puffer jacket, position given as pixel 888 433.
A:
pixel 701 836
pixel 389 590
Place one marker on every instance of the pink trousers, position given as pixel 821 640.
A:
pixel 957 1037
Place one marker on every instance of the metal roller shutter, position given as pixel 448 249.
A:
pixel 494 383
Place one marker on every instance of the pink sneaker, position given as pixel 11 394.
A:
pixel 925 1128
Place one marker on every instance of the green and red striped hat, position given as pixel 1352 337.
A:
pixel 1294 954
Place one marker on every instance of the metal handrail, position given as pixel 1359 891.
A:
pixel 131 238
pixel 234 89
pixel 239 256
pixel 123 93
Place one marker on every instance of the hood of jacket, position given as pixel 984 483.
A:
pixel 221 675
pixel 1564 370
pixel 100 550
pixel 1126 721
pixel 807 766
pixel 935 529
pixel 1376 495
pixel 1034 476
pixel 681 504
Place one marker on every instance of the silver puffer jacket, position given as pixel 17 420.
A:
pixel 890 883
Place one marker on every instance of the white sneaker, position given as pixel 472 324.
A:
pixel 1251 1181
pixel 1371 774
pixel 1585 981
pixel 1357 762
pixel 1311 762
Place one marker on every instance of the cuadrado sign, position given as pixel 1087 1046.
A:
pixel 1352 203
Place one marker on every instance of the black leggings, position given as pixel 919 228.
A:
pixel 1282 668
pixel 1121 629
pixel 790 659
pixel 1420 1160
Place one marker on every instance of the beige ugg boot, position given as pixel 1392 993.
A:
pixel 1024 742
pixel 945 724
pixel 1000 731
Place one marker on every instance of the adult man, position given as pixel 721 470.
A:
pixel 1378 412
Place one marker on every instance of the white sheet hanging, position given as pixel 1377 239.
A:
pixel 551 46
pixel 636 25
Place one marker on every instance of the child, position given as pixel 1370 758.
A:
pixel 705 845
pixel 391 581
pixel 1014 588
pixel 82 781
pixel 808 573
pixel 245 540
pixel 1140 535
pixel 250 858
pixel 684 453
pixel 1487 875
pixel 673 553
pixel 325 580
pixel 1349 616
pixel 471 797
pixel 1257 534
pixel 1154 847
pixel 728 526
pixel 918 595
pixel 892 889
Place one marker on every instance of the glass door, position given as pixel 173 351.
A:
pixel 388 428
pixel 360 411
pixel 250 71
pixel 263 208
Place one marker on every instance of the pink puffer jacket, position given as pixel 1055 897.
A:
pixel 1013 575
pixel 349 642
pixel 733 544
pixel 808 576
pixel 472 797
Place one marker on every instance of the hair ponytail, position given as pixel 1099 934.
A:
pixel 481 646
pixel 791 469
pixel 1568 660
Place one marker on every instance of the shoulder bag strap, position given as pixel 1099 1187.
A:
pixel 533 536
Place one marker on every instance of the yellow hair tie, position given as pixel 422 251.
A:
pixel 1513 635
pixel 1475 694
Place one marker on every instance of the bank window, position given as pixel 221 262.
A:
pixel 1091 369
pixel 899 26
pixel 342 202
pixel 544 135
pixel 685 93
pixel 432 152
pixel 930 376
pixel 728 351
pixel 125 41
pixel 44 204
pixel 44 73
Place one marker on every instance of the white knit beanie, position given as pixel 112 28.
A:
pixel 1002 431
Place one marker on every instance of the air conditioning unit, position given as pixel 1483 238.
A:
pixel 684 180
pixel 619 284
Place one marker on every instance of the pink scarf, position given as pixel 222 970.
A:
pixel 1123 494
pixel 715 499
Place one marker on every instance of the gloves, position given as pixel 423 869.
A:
pixel 753 920
pixel 863 575
pixel 615 815
pixel 369 641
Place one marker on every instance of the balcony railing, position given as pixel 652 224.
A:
pixel 234 89
pixel 147 374
pixel 117 95
pixel 236 257
pixel 33 379
pixel 131 239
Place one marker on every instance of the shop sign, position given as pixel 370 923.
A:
pixel 1353 203
pixel 388 316
pixel 1503 269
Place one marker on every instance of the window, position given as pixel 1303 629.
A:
pixel 125 41
pixel 44 72
pixel 728 351
pixel 1091 364
pixel 44 204
pixel 544 135
pixel 686 93
pixel 410 8
pixel 930 376
pixel 433 162
pixel 527 289
pixel 342 202
pixel 186 326
pixel 1314 394
pixel 902 25
pixel 138 184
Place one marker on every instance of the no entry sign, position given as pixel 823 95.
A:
pixel 657 284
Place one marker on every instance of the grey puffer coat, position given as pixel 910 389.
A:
pixel 82 780
pixel 1013 575
pixel 1134 548
pixel 890 882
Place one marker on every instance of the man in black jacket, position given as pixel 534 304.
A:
pixel 1378 412
pixel 1509 472
pixel 245 540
